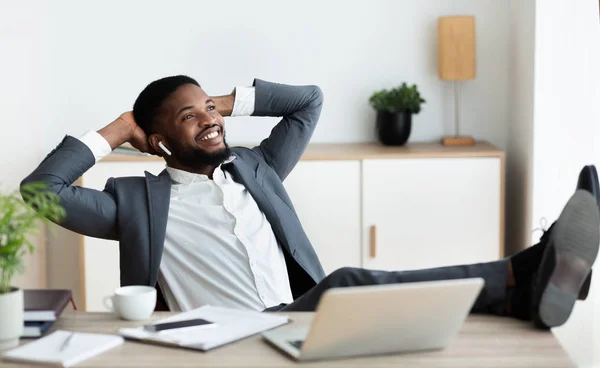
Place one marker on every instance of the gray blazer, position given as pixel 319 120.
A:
pixel 134 210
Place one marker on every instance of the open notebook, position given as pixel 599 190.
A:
pixel 81 346
pixel 229 325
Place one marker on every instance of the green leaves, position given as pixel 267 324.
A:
pixel 19 219
pixel 399 99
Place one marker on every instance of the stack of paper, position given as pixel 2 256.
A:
pixel 229 325
pixel 52 349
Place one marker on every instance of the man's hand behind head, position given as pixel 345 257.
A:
pixel 124 129
pixel 137 137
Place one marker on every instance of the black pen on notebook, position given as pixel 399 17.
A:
pixel 67 341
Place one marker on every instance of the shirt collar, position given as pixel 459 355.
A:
pixel 186 177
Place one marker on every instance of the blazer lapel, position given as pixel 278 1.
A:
pixel 159 196
pixel 244 174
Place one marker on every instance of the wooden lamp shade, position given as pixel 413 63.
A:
pixel 456 48
pixel 456 61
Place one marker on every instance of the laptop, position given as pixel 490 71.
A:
pixel 381 319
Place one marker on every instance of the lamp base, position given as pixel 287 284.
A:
pixel 458 141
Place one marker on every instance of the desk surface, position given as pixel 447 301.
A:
pixel 483 342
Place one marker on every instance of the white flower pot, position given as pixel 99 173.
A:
pixel 11 318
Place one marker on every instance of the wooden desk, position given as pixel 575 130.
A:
pixel 483 342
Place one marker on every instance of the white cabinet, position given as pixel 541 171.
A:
pixel 430 212
pixel 361 205
pixel 326 195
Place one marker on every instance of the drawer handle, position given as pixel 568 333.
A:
pixel 373 247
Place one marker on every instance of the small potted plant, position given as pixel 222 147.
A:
pixel 395 108
pixel 18 221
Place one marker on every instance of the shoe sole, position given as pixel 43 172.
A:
pixel 575 239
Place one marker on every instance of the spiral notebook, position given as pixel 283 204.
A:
pixel 53 350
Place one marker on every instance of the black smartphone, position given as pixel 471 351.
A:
pixel 177 324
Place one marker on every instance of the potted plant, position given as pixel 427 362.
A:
pixel 395 108
pixel 18 221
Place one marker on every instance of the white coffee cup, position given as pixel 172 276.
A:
pixel 133 303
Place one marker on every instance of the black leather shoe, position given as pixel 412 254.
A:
pixel 568 258
pixel 588 180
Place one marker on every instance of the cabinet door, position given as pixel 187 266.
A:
pixel 100 257
pixel 326 195
pixel 425 212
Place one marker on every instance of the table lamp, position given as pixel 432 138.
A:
pixel 456 62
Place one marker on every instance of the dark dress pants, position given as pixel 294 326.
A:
pixel 491 300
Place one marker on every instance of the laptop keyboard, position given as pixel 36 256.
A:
pixel 296 343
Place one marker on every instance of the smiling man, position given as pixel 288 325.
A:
pixel 217 226
pixel 193 146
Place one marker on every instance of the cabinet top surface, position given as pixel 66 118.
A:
pixel 360 151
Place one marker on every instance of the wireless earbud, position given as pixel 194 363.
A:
pixel 161 145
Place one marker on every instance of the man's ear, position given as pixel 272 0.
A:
pixel 154 141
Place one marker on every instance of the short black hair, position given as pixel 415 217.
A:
pixel 146 106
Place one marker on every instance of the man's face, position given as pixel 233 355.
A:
pixel 193 129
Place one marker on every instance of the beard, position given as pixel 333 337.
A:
pixel 198 157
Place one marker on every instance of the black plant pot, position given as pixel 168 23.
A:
pixel 393 129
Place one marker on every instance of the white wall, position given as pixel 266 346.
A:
pixel 519 144
pixel 104 53
pixel 20 92
pixel 567 99
pixel 20 111
pixel 567 135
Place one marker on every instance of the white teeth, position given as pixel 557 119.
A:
pixel 210 136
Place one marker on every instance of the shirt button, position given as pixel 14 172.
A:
pixel 251 264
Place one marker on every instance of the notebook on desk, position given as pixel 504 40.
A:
pixel 42 308
pixel 36 329
pixel 229 325
pixel 44 304
pixel 64 348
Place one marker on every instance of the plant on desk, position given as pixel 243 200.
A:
pixel 395 108
pixel 19 221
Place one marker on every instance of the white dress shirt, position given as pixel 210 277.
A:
pixel 219 247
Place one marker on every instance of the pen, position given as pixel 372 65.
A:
pixel 65 344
